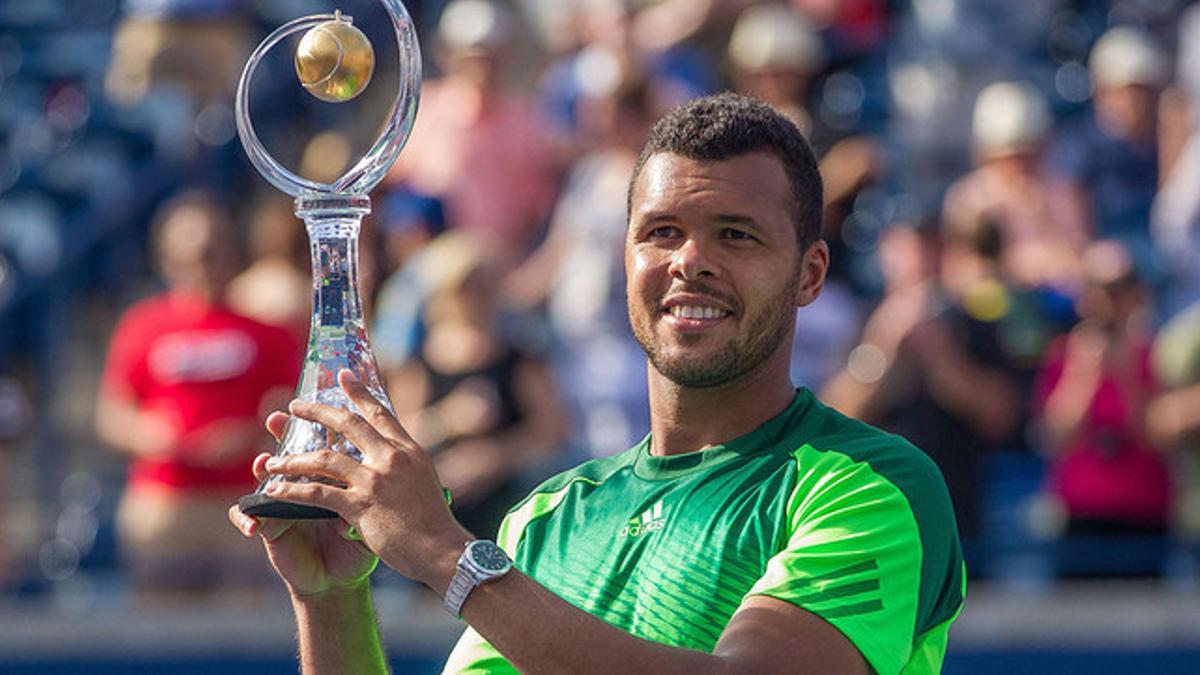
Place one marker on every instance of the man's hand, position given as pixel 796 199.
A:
pixel 393 498
pixel 311 556
pixel 1088 348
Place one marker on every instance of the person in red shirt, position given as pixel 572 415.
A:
pixel 185 382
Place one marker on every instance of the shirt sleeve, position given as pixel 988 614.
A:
pixel 474 655
pixel 125 374
pixel 853 557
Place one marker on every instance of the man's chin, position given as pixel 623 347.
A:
pixel 696 371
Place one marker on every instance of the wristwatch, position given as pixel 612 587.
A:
pixel 481 561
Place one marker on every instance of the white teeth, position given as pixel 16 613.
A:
pixel 697 312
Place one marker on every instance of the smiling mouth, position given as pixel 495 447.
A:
pixel 697 312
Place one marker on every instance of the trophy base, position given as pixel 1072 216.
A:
pixel 262 506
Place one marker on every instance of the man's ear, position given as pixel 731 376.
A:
pixel 814 264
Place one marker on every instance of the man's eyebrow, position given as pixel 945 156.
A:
pixel 657 217
pixel 734 219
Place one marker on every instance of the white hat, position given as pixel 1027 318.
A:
pixel 1009 116
pixel 774 36
pixel 474 24
pixel 1125 56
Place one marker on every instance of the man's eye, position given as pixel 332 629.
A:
pixel 731 233
pixel 663 231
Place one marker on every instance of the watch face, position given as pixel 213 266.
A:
pixel 489 556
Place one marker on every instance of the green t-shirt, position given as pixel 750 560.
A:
pixel 830 514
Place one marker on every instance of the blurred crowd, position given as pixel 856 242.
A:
pixel 1012 205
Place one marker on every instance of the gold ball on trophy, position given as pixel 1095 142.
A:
pixel 335 61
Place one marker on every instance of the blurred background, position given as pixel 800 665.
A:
pixel 1013 206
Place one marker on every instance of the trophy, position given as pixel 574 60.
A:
pixel 334 61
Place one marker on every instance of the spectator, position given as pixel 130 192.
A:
pixel 198 46
pixel 1091 401
pixel 409 221
pixel 1175 218
pixel 277 287
pixel 186 384
pixel 1173 416
pixel 578 273
pixel 1106 165
pixel 667 25
pixel 775 55
pixel 173 72
pixel 484 408
pixel 1009 188
pixel 855 28
pixel 673 72
pixel 929 370
pixel 477 145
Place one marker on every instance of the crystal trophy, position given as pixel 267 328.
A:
pixel 334 61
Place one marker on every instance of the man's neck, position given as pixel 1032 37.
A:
pixel 686 419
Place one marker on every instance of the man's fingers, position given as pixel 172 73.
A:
pixel 371 409
pixel 259 467
pixel 313 494
pixel 323 463
pixel 269 528
pixel 348 423
pixel 245 524
pixel 276 424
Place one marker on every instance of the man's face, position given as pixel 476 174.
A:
pixel 714 273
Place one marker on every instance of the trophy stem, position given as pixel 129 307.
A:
pixel 337 339
pixel 337 304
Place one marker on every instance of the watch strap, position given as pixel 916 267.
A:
pixel 468 576
pixel 460 587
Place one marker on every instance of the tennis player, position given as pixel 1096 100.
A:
pixel 754 530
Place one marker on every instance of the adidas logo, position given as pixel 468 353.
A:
pixel 651 520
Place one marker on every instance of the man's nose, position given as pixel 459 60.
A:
pixel 691 261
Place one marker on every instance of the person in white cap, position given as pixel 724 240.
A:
pixel 1108 164
pixel 1010 128
pixel 774 53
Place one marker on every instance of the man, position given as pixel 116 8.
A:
pixel 754 530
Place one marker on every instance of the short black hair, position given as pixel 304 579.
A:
pixel 728 125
